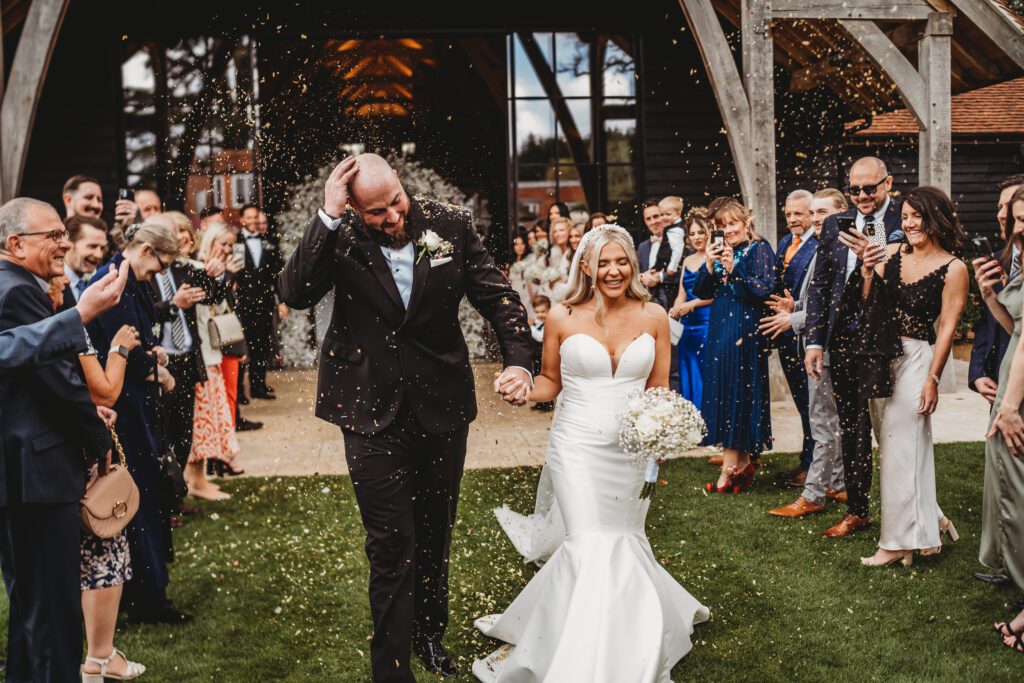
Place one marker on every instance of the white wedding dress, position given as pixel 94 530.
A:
pixel 601 609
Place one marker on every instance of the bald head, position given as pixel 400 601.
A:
pixel 870 183
pixel 377 195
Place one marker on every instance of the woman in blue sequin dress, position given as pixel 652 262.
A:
pixel 739 276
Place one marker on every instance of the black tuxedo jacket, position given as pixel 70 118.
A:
pixel 376 353
pixel 48 424
pixel 184 272
pixel 255 295
pixel 825 293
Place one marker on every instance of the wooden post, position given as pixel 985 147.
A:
pixel 936 143
pixel 758 77
pixel 28 72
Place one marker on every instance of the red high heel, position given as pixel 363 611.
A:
pixel 737 482
pixel 730 484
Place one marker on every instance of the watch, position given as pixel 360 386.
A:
pixel 121 349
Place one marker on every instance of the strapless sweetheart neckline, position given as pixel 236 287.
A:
pixel 611 358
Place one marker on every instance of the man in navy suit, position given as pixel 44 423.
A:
pixel 829 326
pixel 793 257
pixel 49 432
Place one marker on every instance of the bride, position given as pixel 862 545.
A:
pixel 602 609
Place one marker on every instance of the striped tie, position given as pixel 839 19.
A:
pixel 178 323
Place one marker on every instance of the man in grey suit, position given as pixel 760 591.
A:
pixel 64 333
pixel 825 476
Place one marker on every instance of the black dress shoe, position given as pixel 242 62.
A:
pixel 243 425
pixel 435 657
pixel 265 395
pixel 243 400
pixel 994 579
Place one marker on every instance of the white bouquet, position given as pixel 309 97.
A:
pixel 533 271
pixel 517 269
pixel 658 423
pixel 551 274
pixel 540 248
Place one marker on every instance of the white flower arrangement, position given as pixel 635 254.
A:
pixel 541 248
pixel 551 274
pixel 431 243
pixel 533 271
pixel 656 424
pixel 517 271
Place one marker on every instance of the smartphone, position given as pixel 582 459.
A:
pixel 718 237
pixel 238 253
pixel 846 223
pixel 124 193
pixel 983 247
pixel 875 232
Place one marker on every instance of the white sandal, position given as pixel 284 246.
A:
pixel 132 670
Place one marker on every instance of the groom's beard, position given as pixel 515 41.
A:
pixel 396 241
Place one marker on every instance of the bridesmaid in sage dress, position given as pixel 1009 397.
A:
pixel 739 276
pixel 693 311
pixel 1002 530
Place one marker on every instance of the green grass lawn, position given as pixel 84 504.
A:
pixel 276 578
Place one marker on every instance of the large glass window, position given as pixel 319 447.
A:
pixel 573 122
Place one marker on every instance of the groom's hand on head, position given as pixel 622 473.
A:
pixel 336 189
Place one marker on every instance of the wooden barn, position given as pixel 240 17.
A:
pixel 532 103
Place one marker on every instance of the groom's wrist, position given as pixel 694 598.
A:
pixel 519 367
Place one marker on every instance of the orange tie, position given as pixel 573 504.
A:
pixel 792 250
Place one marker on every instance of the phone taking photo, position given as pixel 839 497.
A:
pixel 238 252
pixel 846 224
pixel 718 237
pixel 983 247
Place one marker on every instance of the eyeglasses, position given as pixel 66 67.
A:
pixel 854 190
pixel 56 235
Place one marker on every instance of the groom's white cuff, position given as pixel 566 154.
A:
pixel 331 223
pixel 520 367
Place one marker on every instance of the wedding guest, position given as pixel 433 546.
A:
pixel 654 255
pixel 106 562
pixel 557 210
pixel 831 321
pixel 739 276
pixel 921 283
pixel 88 237
pixel 990 339
pixel 672 215
pixel 45 408
pixel 691 310
pixel 256 299
pixel 540 230
pixel 824 479
pixel 150 248
pixel 213 436
pixel 1002 531
pixel 148 202
pixel 82 196
pixel 560 256
pixel 541 308
pixel 517 269
pixel 575 235
pixel 531 239
pixel 792 258
pixel 597 219
pixel 211 214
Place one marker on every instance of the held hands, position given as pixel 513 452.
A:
pixel 814 362
pixel 987 387
pixel 783 303
pixel 127 336
pixel 774 325
pixel 336 190
pixel 681 310
pixel 188 296
pixel 989 274
pixel 513 384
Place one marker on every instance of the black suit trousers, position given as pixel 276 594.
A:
pixel 855 423
pixel 178 409
pixel 40 550
pixel 406 482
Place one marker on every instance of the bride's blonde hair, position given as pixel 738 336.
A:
pixel 582 287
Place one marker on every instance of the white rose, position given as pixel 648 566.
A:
pixel 647 427
pixel 431 240
pixel 694 436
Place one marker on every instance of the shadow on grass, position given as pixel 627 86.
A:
pixel 276 578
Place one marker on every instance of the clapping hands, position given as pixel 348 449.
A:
pixel 514 385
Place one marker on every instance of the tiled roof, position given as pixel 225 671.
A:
pixel 991 110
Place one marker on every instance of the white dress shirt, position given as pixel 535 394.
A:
pixel 73 277
pixel 254 243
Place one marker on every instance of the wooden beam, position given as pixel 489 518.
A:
pixel 758 76
pixel 887 57
pixel 851 9
pixel 28 72
pixel 725 83
pixel 935 139
pixel 1001 29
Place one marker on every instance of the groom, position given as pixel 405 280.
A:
pixel 395 376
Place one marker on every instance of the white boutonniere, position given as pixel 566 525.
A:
pixel 431 243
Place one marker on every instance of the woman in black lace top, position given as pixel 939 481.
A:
pixel 919 283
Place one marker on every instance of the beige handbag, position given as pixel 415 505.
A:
pixel 225 329
pixel 110 500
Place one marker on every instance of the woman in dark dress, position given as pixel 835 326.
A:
pixel 149 249
pixel 739 276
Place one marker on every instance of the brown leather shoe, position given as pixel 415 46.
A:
pixel 798 508
pixel 716 460
pixel 797 478
pixel 837 496
pixel 847 525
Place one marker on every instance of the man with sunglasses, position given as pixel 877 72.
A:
pixel 829 325
pixel 49 424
